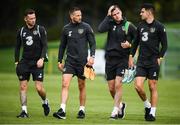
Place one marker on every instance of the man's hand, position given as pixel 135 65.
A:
pixel 40 63
pixel 159 61
pixel 90 61
pixel 109 10
pixel 126 44
pixel 60 66
pixel 16 63
pixel 131 62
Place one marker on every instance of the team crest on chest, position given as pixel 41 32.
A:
pixel 80 31
pixel 35 32
pixel 152 29
pixel 123 28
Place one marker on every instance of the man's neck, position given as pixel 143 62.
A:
pixel 150 19
pixel 30 27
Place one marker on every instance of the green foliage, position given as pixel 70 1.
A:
pixel 99 103
pixel 53 33
pixel 175 25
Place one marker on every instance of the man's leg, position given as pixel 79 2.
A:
pixel 139 86
pixel 66 79
pixel 117 96
pixel 65 88
pixel 23 98
pixel 82 91
pixel 118 89
pixel 82 98
pixel 41 91
pixel 111 85
pixel 153 98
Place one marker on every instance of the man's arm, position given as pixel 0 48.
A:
pixel 92 44
pixel 43 37
pixel 163 40
pixel 62 46
pixel 132 33
pixel 130 36
pixel 104 25
pixel 135 43
pixel 44 42
pixel 17 47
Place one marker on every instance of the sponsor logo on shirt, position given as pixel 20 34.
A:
pixel 29 40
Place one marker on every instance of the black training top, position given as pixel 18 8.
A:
pixel 116 36
pixel 75 37
pixel 149 38
pixel 34 42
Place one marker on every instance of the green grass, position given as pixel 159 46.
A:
pixel 98 106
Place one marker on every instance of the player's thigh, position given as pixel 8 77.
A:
pixel 37 73
pixel 68 68
pixel 120 70
pixel 66 79
pixel 110 72
pixel 80 72
pixel 141 72
pixel 22 71
pixel 153 72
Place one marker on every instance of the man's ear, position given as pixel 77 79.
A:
pixel 71 16
pixel 25 19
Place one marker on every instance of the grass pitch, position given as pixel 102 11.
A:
pixel 98 106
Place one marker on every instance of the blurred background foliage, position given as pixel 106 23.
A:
pixel 53 14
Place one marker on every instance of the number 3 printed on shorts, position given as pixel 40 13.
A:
pixel 144 36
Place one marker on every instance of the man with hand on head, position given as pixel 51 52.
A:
pixel 121 34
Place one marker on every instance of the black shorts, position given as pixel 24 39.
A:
pixel 151 73
pixel 115 67
pixel 77 69
pixel 25 68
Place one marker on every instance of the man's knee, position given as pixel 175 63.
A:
pixel 81 84
pixel 23 85
pixel 111 89
pixel 138 86
pixel 65 84
pixel 39 86
pixel 152 85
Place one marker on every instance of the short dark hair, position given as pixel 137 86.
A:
pixel 29 11
pixel 73 9
pixel 148 6
pixel 115 6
